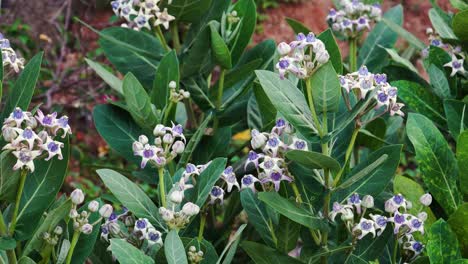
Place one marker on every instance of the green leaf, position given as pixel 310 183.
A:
pixel 412 191
pixel 168 70
pixel 1 79
pixel 419 99
pixel 313 160
pixel 198 54
pixel 363 173
pixel 412 39
pixel 457 222
pixel 7 243
pixel 118 129
pixel 132 51
pixel 174 249
pixel 436 161
pixel 289 101
pixel 370 53
pixel 258 216
pixel 462 158
pixel 193 143
pixel 198 88
pixel 39 192
pixel 297 26
pixel 291 211
pixel 440 26
pixel 138 102
pixel 208 179
pixel 287 233
pixel 220 50
pixel 439 82
pixel 398 59
pixel 8 177
pixel 48 225
pixel 22 91
pixel 26 260
pixel 460 5
pixel 267 110
pixel 326 89
pixel 131 196
pixel 231 246
pixel 377 178
pixel 333 50
pixel 261 254
pixel 460 24
pixel 246 9
pixel 128 254
pixel 212 146
pixel 109 78
pixel 457 117
pixel 442 246
pixel 189 11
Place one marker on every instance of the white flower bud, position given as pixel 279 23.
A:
pixel 143 139
pixel 284 48
pixel 58 230
pixel 177 196
pixel 159 130
pixel 157 141
pixel 190 209
pixel 192 249
pixel 200 253
pixel 178 147
pixel 87 229
pixel 9 134
pixel 73 214
pixel 422 216
pixel 168 139
pixel 258 139
pixel 367 201
pixel 172 85
pixel 426 199
pixel 186 94
pixel 390 207
pixel 31 122
pixel 409 205
pixel 93 206
pixel 322 57
pixel 347 215
pixel 106 210
pixel 429 31
pixel 77 196
pixel 137 146
pixel 167 215
pixel 114 228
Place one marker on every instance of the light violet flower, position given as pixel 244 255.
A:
pixel 229 177
pixel 53 148
pixel 163 18
pixel 365 227
pixel 276 177
pixel 25 159
pixel 216 194
pixel 248 181
pixel 456 65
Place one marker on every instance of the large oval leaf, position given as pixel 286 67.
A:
pixel 138 102
pixel 326 89
pixel 207 180
pixel 128 254
pixel 442 246
pixel 261 254
pixel 8 177
pixel 436 161
pixel 246 9
pixel 174 249
pixel 457 117
pixel 168 70
pixel 462 158
pixel 313 160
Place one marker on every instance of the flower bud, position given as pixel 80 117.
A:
pixel 190 209
pixel 114 228
pixel 347 215
pixel 106 210
pixel 322 57
pixel 137 146
pixel 429 31
pixel 176 197
pixel 31 122
pixel 422 216
pixel 143 139
pixel 192 249
pixel 258 139
pixel 409 205
pixel 186 94
pixel 159 130
pixel 84 214
pixel 168 139
pixel 200 253
pixel 77 196
pixel 172 85
pixel 367 201
pixel 58 230
pixel 178 147
pixel 86 229
pixel 426 199
pixel 167 215
pixel 73 214
pixel 284 49
pixel 45 235
pixel 390 207
pixel 9 134
pixel 93 206
pixel 129 221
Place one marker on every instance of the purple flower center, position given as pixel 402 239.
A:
pixel 273 142
pixel 231 178
pixel 417 246
pixel 126 10
pixel 47 120
pixel 363 71
pixel 27 134
pixel 381 221
pixel 300 144
pixel 355 199
pixel 456 65
pixel 153 236
pixel 300 37
pixel 284 64
pixel 228 170
pixel 112 217
pixel 141 20
pixel 105 230
pixel 269 164
pixel 310 37
pixel 17 114
pixel 366 225
pixel 115 4
pixel 380 78
pixel 399 219
pixel 24 157
pixel 63 121
pixel 216 191
pixel 141 224
pixel 398 199
pixel 275 176
pixel 52 147
pixel 190 168
pixel 247 180
pixel 382 97
pixel 332 12
pixel 362 21
pixel 392 92
pixel 280 122
pixel 346 22
pixel 416 223
pixel 435 42
pixel 252 155
pixel 148 153
pixel 149 5
pixel 178 130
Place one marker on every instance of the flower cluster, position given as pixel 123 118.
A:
pixel 81 220
pixel 177 95
pixel 30 136
pixel 404 224
pixel 178 219
pixel 353 17
pixel 302 56
pixel 54 238
pixel 168 143
pixel 142 13
pixel 365 81
pixel 194 256
pixel 456 53
pixel 9 56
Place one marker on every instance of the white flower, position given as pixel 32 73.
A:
pixel 77 196
pixel 229 177
pixel 159 130
pixel 258 139
pixel 216 194
pixel 190 209
pixel 27 135
pixel 163 18
pixel 25 158
pixel 399 220
pixel 339 209
pixel 248 181
pixel 178 147
pixel 177 197
pixel 456 65
pixel 380 223
pixel 284 49
pixel 365 227
pixel 153 236
pixel 48 120
pixel 53 148
pixel 426 199
pixel 142 225
pixel 148 153
pixel 355 200
pixel 367 201
pixel 166 214
pixel 298 144
pixel 62 124
pixel 17 117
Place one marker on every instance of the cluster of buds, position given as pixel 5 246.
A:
pixel 142 13
pixel 31 136
pixel 9 56
pixel 230 26
pixel 301 57
pixel 81 220
pixel 53 239
pixel 168 143
pixel 270 162
pixel 177 95
pixel 404 224
pixel 365 81
pixel 353 17
pixel 194 256
pixel 456 53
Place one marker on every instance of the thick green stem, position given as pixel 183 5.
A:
pixel 202 226
pixel 168 112
pixel 312 107
pixel 162 188
pixel 353 54
pixel 349 151
pixel 395 251
pixel 219 97
pixel 175 36
pixel 161 38
pixel 296 192
pixel 23 175
pixel 11 256
pixel 76 236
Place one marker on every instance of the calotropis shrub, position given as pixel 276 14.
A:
pixel 329 172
